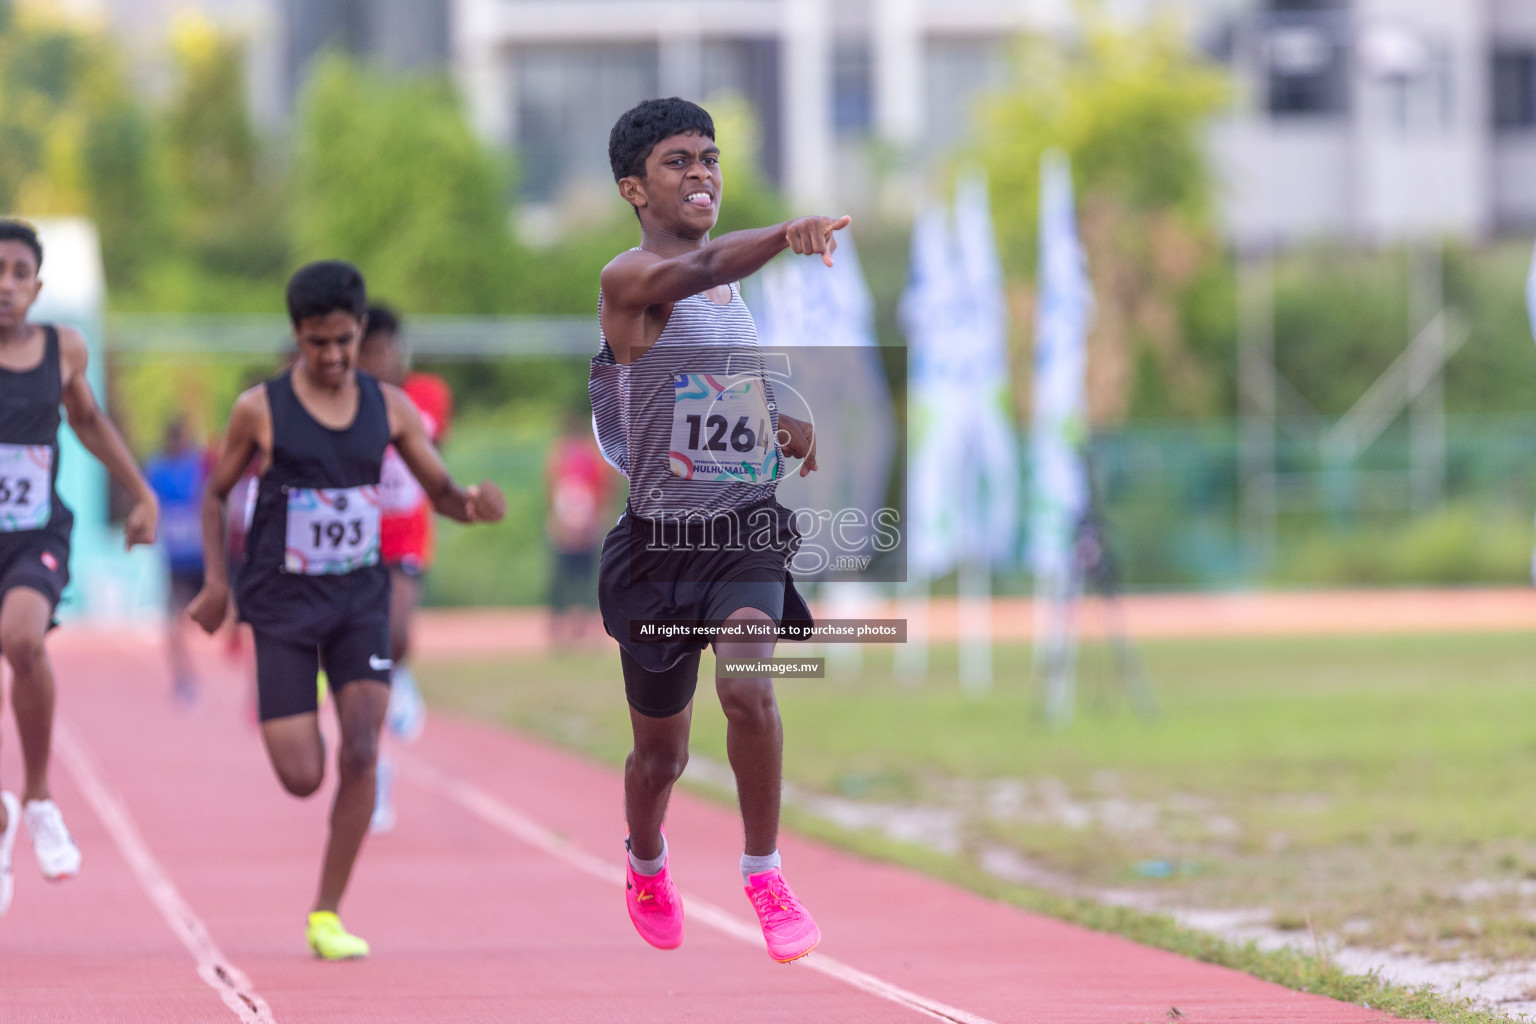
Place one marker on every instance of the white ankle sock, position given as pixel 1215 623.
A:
pixel 648 867
pixel 757 865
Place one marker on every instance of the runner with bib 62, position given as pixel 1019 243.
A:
pixel 313 585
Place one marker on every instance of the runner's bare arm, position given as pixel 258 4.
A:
pixel 250 430
pixel 637 281
pixel 102 440
pixel 482 502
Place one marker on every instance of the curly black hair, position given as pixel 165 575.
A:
pixel 20 231
pixel 636 133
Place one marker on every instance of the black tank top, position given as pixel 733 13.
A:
pixel 29 416
pixel 308 454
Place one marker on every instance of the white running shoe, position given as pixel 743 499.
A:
pixel 7 845
pixel 407 714
pixel 383 797
pixel 56 851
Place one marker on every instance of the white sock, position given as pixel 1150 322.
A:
pixel 751 865
pixel 648 867
pixel 403 676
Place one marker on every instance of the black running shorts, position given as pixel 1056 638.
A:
pixel 666 693
pixel 694 578
pixel 36 559
pixel 286 672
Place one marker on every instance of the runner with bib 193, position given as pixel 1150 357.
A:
pixel 313 585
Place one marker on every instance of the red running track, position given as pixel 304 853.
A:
pixel 497 898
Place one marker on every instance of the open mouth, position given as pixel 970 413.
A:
pixel 701 200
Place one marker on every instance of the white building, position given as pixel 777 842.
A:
pixel 1362 119
pixel 1382 119
pixel 1369 120
pixel 549 77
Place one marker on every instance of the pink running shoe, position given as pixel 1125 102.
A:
pixel 654 907
pixel 787 926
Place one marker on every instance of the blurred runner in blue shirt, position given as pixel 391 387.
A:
pixel 177 474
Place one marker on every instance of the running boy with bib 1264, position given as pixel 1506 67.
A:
pixel 41 368
pixel 683 406
pixel 313 585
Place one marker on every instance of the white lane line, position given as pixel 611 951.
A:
pixel 212 966
pixel 507 818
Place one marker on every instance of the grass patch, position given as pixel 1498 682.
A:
pixel 1378 783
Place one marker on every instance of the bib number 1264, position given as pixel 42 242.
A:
pixel 722 430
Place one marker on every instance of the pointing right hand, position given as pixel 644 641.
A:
pixel 815 234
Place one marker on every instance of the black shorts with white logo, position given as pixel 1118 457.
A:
pixel 691 577
pixel 286 672
pixel 36 559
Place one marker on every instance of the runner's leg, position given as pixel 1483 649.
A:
pixel 652 767
pixel 183 679
pixel 25 615
pixel 405 594
pixel 360 707
pixel 297 751
pixel 754 737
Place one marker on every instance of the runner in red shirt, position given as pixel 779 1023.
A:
pixel 406 536
pixel 578 484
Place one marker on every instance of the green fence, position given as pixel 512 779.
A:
pixel 1172 500
pixel 1172 494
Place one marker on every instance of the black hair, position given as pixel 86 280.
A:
pixel 638 130
pixel 26 234
pixel 381 320
pixel 317 289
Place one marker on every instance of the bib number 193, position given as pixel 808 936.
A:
pixel 332 530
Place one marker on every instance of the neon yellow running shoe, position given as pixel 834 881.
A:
pixel 330 941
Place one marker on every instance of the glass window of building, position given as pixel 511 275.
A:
pixel 957 71
pixel 852 88
pixel 749 68
pixel 1514 89
pixel 567 100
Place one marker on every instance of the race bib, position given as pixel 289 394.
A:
pixel 332 530
pixel 399 492
pixel 26 472
pixel 722 430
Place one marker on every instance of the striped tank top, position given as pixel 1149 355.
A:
pixel 634 406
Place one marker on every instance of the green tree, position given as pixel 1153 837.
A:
pixel 1129 107
pixel 389 175
pixel 228 210
pixel 748 200
pixel 73 138
pixel 125 197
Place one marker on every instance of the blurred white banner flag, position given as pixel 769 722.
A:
pixel 1530 295
pixel 1059 496
pixel 963 477
pixel 799 302
pixel 929 306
